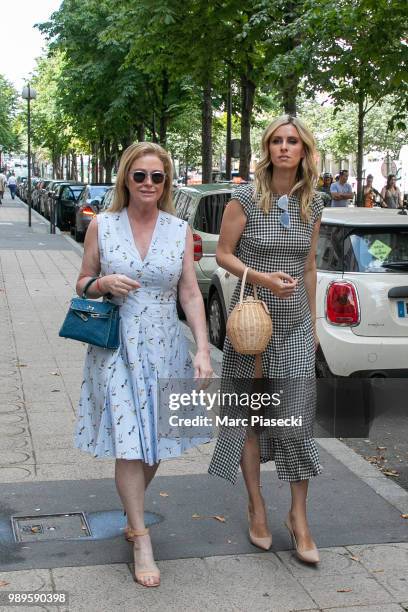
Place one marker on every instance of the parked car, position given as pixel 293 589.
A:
pixel 202 206
pixel 35 194
pixel 48 196
pixel 42 196
pixel 20 181
pixel 64 197
pixel 107 199
pixel 87 207
pixel 361 297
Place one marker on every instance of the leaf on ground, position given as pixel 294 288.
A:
pixel 377 571
pixel 344 590
pixel 390 473
pixel 55 373
pixel 381 448
pixel 354 558
pixel 163 494
pixel 3 583
pixel 21 365
pixel 196 516
pixel 220 518
pixel 404 516
pixel 55 390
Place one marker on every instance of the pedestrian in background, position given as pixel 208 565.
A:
pixel 391 193
pixel 341 191
pixel 3 185
pixel 325 188
pixel 12 185
pixel 142 255
pixel 369 192
pixel 272 227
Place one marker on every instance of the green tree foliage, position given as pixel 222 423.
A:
pixel 9 136
pixel 141 68
pixel 358 53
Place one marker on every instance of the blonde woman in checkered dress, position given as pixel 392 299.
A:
pixel 272 227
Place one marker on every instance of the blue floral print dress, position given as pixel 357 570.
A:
pixel 119 415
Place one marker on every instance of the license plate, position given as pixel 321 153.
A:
pixel 402 309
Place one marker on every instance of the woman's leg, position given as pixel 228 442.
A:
pixel 297 515
pixel 131 484
pixel 251 470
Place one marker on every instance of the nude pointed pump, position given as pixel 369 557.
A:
pixel 307 556
pixel 264 543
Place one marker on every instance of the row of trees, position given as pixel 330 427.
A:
pixel 9 133
pixel 192 74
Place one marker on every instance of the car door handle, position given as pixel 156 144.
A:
pixel 398 292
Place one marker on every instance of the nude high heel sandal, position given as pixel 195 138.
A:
pixel 152 571
pixel 264 543
pixel 307 556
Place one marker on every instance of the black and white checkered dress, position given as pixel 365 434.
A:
pixel 267 246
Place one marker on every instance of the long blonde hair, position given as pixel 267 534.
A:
pixel 121 193
pixel 306 176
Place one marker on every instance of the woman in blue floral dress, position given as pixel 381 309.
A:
pixel 143 254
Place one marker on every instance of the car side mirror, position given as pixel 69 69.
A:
pixel 95 203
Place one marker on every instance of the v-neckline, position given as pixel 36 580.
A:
pixel 132 238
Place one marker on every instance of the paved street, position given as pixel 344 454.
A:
pixel 355 511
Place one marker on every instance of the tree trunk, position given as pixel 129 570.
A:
pixel 141 133
pixel 360 148
pixel 82 168
pixel 248 88
pixel 289 95
pixel 206 134
pixel 94 163
pixel 228 157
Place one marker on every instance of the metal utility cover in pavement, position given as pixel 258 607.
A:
pixel 41 527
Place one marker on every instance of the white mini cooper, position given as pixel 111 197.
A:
pixel 362 294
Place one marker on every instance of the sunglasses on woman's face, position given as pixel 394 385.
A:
pixel 283 204
pixel 139 176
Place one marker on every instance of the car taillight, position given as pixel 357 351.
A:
pixel 88 211
pixel 198 247
pixel 342 306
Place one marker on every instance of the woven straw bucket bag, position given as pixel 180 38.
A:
pixel 249 326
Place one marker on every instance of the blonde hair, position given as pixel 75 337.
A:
pixel 121 193
pixel 306 176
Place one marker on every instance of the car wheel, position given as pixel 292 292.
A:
pixel 216 321
pixel 321 366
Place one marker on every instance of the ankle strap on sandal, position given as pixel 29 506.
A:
pixel 132 533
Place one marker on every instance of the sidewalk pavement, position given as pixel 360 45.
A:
pixel 354 509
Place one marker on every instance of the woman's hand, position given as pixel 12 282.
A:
pixel 118 284
pixel 202 366
pixel 281 284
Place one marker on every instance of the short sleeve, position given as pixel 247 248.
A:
pixel 244 195
pixel 317 208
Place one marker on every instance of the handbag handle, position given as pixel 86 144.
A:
pixel 86 287
pixel 241 295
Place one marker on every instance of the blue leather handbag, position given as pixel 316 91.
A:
pixel 91 321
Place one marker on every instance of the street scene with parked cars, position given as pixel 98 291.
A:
pixel 204 306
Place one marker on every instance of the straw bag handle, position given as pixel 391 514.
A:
pixel 241 295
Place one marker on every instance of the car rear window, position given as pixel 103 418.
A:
pixel 97 192
pixel 209 212
pixel 376 249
